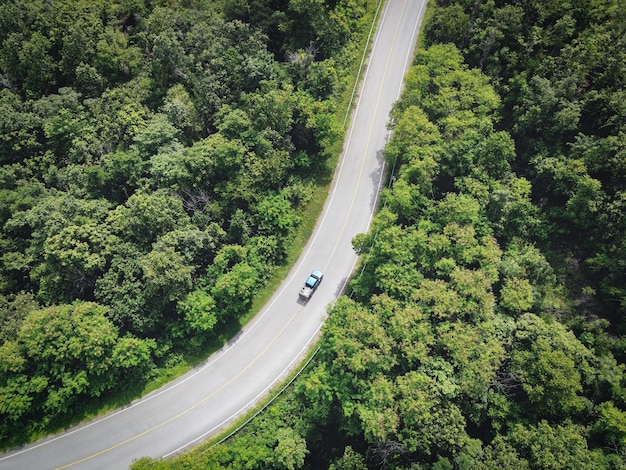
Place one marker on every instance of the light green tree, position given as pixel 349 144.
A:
pixel 291 449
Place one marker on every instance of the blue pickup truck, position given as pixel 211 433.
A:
pixel 311 284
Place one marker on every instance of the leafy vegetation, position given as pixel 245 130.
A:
pixel 156 158
pixel 486 329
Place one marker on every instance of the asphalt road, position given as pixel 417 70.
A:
pixel 231 381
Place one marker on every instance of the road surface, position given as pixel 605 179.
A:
pixel 231 381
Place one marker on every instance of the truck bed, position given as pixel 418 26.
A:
pixel 305 292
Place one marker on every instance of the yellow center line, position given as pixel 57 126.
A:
pixel 271 343
pixel 369 138
pixel 194 406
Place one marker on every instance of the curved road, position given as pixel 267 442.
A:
pixel 234 378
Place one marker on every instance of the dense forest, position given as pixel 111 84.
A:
pixel 156 157
pixel 485 329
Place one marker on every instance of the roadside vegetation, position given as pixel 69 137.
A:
pixel 157 165
pixel 486 327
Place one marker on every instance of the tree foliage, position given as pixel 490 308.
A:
pixel 138 140
pixel 60 355
pixel 483 328
pixel 153 163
